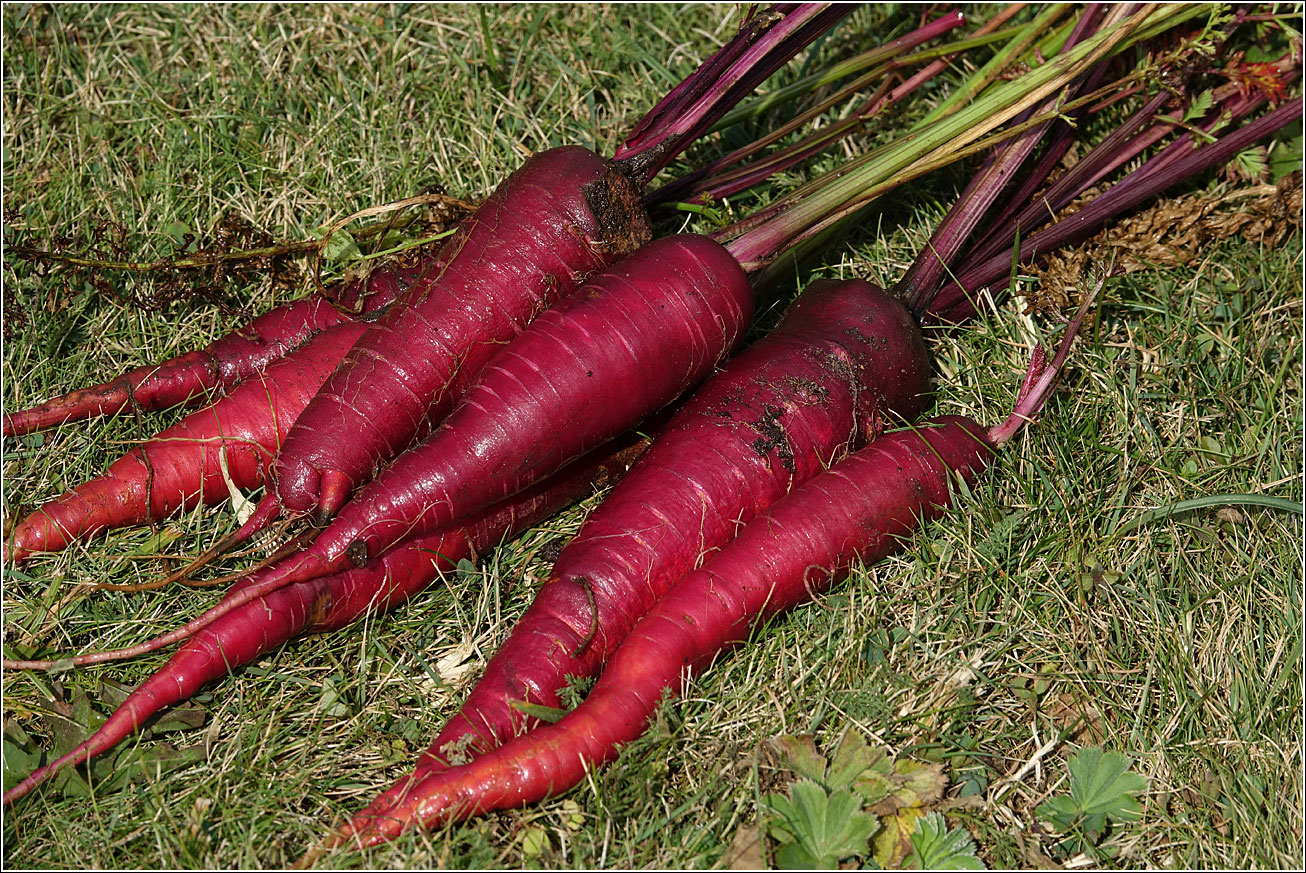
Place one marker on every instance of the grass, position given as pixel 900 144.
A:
pixel 1034 621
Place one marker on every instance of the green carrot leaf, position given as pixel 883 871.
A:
pixel 1200 106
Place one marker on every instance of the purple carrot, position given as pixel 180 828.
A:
pixel 579 375
pixel 846 361
pixel 860 508
pixel 758 247
pixel 566 214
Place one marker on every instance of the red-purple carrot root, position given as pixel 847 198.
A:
pixel 861 509
pixel 846 360
pixel 183 466
pixel 858 510
pixel 565 214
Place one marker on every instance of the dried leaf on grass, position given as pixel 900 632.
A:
pixel 1173 232
pixel 745 852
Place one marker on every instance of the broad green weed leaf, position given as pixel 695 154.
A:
pixel 822 828
pixel 340 246
pixel 875 783
pixel 835 807
pixel 16 735
pixel 534 841
pixel 778 826
pixel 187 717
pixel 178 233
pixel 1286 158
pixel 573 816
pixel 794 856
pixel 70 723
pixel 84 714
pixel 893 841
pixel 918 784
pixel 1061 811
pixel 1102 791
pixel 145 763
pixel 1093 825
pixel 934 847
pixel 18 763
pixel 1102 784
pixel 332 704
pixel 69 783
pixel 973 780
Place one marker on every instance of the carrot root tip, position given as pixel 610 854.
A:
pixel 267 509
pixel 335 490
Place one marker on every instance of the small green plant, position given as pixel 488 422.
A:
pixel 68 722
pixel 861 803
pixel 1102 790
pixel 934 847
pixel 817 827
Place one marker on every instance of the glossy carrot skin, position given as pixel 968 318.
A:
pixel 857 511
pixel 565 214
pixel 414 564
pixel 332 602
pixel 633 338
pixel 228 360
pixel 846 360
